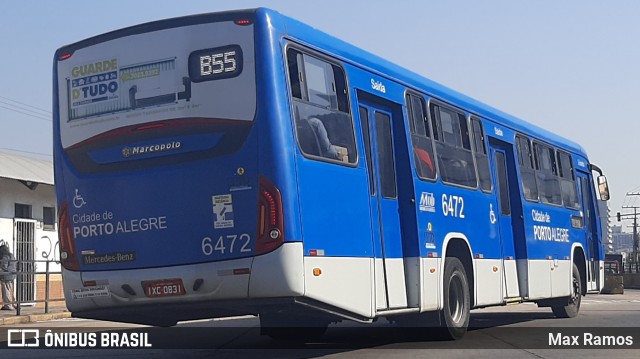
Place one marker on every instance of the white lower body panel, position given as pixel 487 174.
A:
pixel 431 285
pixel 396 283
pixel 549 278
pixel 539 279
pixel 511 288
pixel 561 278
pixel 278 273
pixel 488 283
pixel 346 283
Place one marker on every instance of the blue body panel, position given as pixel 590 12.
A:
pixel 363 70
pixel 326 206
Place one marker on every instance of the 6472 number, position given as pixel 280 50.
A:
pixel 453 206
pixel 229 244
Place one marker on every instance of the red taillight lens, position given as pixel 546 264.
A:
pixel 68 256
pixel 270 219
pixel 243 22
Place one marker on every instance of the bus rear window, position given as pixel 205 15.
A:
pixel 128 81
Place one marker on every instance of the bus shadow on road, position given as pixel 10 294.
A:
pixel 485 331
pixel 490 320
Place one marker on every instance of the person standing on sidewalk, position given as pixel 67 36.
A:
pixel 7 276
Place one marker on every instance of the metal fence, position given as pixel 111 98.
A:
pixel 25 284
pixel 631 268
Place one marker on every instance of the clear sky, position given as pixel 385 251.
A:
pixel 572 67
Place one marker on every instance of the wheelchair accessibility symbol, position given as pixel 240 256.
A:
pixel 78 201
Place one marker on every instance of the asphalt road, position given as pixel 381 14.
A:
pixel 518 331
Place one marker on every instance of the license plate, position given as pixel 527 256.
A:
pixel 163 288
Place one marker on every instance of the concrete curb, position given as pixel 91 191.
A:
pixel 31 318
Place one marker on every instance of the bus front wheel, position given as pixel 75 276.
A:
pixel 456 309
pixel 572 307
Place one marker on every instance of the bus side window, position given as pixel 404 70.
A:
pixel 324 126
pixel 482 159
pixel 295 76
pixel 453 147
pixel 567 181
pixel 547 174
pixel 527 172
pixel 421 138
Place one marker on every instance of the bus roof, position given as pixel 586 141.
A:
pixel 350 54
pixel 382 67
pixel 159 25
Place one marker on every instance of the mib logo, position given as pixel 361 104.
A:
pixel 427 202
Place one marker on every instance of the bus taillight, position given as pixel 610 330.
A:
pixel 68 256
pixel 270 220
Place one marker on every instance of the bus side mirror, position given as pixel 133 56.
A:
pixel 603 187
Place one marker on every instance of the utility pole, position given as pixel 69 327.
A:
pixel 636 241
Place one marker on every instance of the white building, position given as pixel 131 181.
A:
pixel 28 220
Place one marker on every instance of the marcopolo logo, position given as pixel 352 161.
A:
pixel 147 149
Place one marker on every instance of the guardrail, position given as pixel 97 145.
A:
pixel 25 284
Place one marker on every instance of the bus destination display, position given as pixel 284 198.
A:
pixel 215 64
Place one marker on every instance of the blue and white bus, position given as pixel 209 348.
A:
pixel 245 163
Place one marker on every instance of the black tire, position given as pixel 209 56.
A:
pixel 572 307
pixel 457 303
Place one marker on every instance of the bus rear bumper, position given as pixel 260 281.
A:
pixel 168 314
pixel 224 288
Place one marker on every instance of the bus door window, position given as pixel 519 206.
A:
pixel 364 120
pixel 421 137
pixel 527 172
pixel 324 127
pixel 384 144
pixel 482 159
pixel 589 225
pixel 453 147
pixel 503 184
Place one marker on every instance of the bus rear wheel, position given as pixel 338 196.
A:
pixel 571 309
pixel 456 312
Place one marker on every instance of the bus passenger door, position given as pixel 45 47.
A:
pixel 588 220
pixel 511 218
pixel 503 214
pixel 389 269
